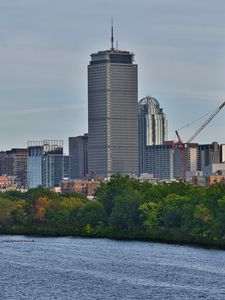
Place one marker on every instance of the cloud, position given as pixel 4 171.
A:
pixel 42 110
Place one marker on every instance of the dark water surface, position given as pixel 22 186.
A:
pixel 76 268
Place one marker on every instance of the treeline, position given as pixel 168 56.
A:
pixel 124 208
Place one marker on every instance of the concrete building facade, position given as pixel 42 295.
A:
pixel 78 152
pixel 208 154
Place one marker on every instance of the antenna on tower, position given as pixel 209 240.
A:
pixel 112 37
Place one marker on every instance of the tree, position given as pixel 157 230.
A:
pixel 150 215
pixel 203 221
pixel 125 213
pixel 92 213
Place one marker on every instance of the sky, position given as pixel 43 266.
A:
pixel 45 47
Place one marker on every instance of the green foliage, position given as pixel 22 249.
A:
pixel 107 192
pixel 123 208
pixel 125 213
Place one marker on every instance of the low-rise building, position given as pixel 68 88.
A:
pixel 8 183
pixel 214 169
pixel 215 179
pixel 84 187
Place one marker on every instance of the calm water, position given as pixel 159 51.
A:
pixel 76 268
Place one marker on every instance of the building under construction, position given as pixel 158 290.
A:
pixel 172 160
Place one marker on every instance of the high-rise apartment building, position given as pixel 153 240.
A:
pixel 112 113
pixel 2 156
pixel 78 156
pixel 14 163
pixel 153 126
pixel 208 154
pixel 165 161
pixel 46 163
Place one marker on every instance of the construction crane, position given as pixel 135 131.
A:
pixel 182 145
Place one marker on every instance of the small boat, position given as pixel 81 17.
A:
pixel 18 241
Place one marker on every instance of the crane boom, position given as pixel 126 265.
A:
pixel 206 122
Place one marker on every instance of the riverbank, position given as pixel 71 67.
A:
pixel 124 209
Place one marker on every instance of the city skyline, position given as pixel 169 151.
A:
pixel 45 50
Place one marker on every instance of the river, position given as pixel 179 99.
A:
pixel 83 268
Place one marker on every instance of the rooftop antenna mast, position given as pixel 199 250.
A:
pixel 112 37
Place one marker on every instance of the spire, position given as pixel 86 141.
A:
pixel 112 37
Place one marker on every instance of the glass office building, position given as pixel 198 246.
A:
pixel 46 164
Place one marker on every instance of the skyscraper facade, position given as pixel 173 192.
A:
pixel 112 113
pixel 78 156
pixel 153 126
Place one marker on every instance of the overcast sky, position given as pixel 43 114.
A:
pixel 45 47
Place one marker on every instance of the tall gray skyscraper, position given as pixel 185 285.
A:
pixel 153 126
pixel 112 113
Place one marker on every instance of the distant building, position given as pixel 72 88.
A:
pixel 198 180
pixel 222 153
pixel 112 113
pixel 8 183
pixel 159 161
pixel 146 177
pixel 78 152
pixel 46 165
pixel 2 155
pixel 14 163
pixel 214 169
pixel 211 174
pixel 66 166
pixel 153 127
pixel 213 179
pixel 165 161
pixel 193 176
pixel 207 154
pixel 84 187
